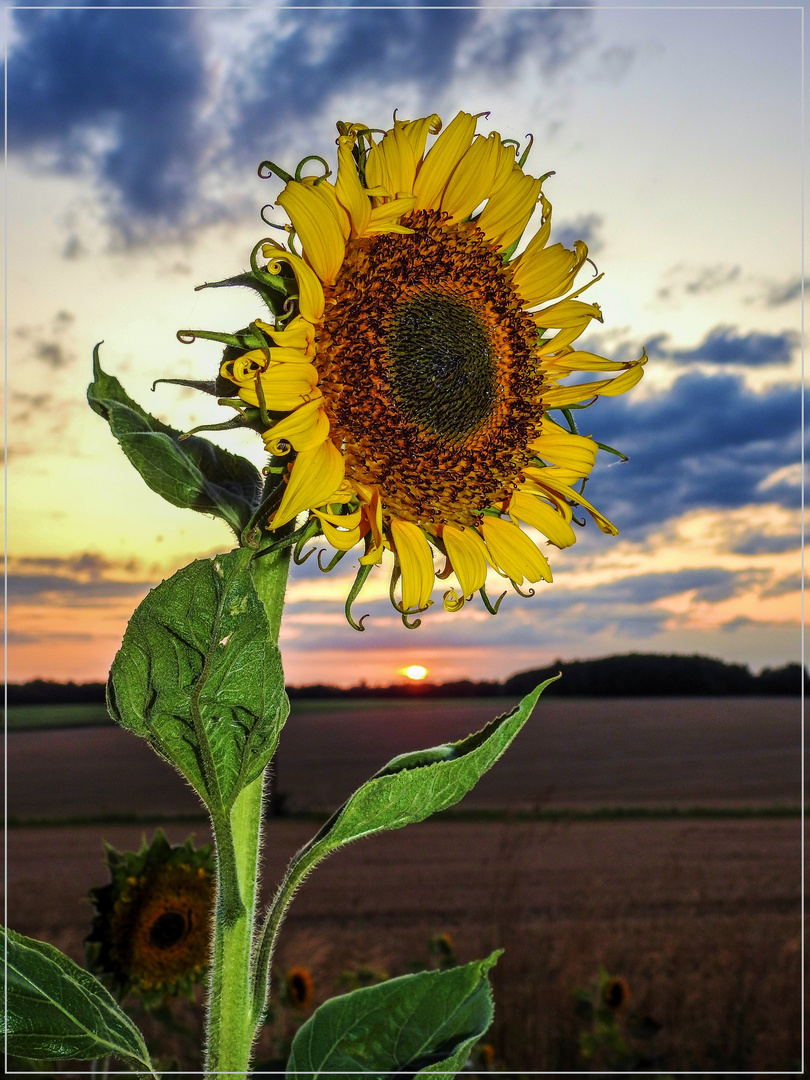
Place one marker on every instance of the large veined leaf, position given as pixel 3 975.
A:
pixel 199 677
pixel 416 1024
pixel 55 1009
pixel 194 473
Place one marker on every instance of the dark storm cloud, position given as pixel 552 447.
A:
pixel 724 345
pixel 133 96
pixel 706 442
pixel 131 81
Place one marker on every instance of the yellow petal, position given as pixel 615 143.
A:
pixel 416 563
pixel 515 554
pixel 562 396
pixel 441 160
pixel 417 132
pixel 316 222
pixel 507 213
pixel 473 178
pixel 296 334
pixel 566 313
pixel 585 361
pixel 554 483
pixel 303 429
pixel 384 218
pixel 349 189
pixel 540 238
pixel 341 539
pixel 576 452
pixel 549 274
pixel 524 506
pixel 314 476
pixel 310 291
pixel 391 163
pixel 468 554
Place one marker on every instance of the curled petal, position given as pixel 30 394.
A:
pixel 304 429
pixel 468 554
pixel 441 160
pixel 314 476
pixel 416 564
pixel 310 290
pixel 546 519
pixel 350 191
pixel 315 219
pixel 513 552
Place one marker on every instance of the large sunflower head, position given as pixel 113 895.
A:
pixel 412 375
pixel 151 931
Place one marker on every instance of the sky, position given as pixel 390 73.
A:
pixel 674 134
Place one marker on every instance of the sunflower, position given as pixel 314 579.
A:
pixel 151 932
pixel 299 987
pixel 411 374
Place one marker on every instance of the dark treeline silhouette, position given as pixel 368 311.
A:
pixel 631 675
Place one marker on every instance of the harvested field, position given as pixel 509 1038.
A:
pixel 702 917
pixel 712 751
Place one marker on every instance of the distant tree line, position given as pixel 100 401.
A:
pixel 631 675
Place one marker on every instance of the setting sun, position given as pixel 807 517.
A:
pixel 416 672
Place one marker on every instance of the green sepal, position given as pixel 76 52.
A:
pixel 416 1024
pixel 58 1010
pixel 200 678
pixel 193 473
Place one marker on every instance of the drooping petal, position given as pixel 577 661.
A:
pixel 416 563
pixel 441 160
pixel 468 554
pixel 315 475
pixel 417 132
pixel 512 550
pixel 547 479
pixel 527 507
pixel 560 447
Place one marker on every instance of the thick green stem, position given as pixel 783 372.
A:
pixel 230 1030
pixel 232 1022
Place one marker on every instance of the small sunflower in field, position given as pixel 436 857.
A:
pixel 409 373
pixel 299 988
pixel 615 993
pixel 151 932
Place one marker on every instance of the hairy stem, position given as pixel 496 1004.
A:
pixel 232 1022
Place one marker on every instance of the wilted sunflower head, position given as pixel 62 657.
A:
pixel 411 377
pixel 151 932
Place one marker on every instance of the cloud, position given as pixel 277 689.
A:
pixel 697 280
pixel 118 92
pixel 46 342
pixel 154 103
pixel 587 227
pixel 784 293
pixel 84 577
pixel 725 345
pixel 766 544
pixel 706 442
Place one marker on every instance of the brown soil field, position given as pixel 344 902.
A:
pixel 671 751
pixel 702 918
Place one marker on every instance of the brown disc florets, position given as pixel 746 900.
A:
pixel 426 361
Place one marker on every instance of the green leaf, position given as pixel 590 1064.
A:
pixel 418 1024
pixel 58 1010
pixel 413 786
pixel 199 676
pixel 194 473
